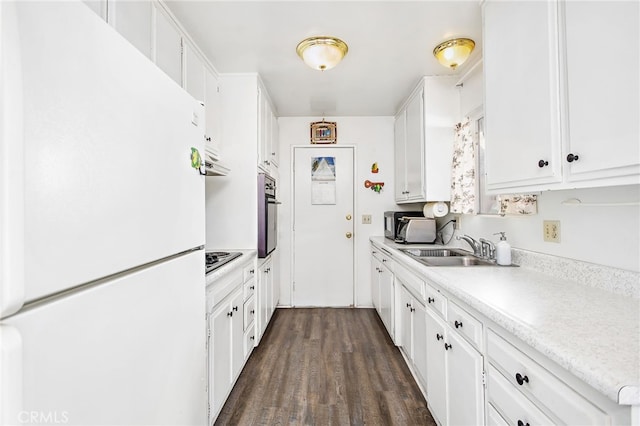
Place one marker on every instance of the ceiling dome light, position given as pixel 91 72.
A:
pixel 452 53
pixel 322 53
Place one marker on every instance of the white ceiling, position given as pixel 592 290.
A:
pixel 390 45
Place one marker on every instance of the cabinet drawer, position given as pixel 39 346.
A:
pixel 513 406
pixel 413 284
pixel 494 418
pixel 249 312
pixel 249 271
pixel 382 257
pixel 249 288
pixel 436 301
pixel 249 341
pixel 538 383
pixel 465 324
pixel 222 287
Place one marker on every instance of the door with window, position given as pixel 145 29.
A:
pixel 323 227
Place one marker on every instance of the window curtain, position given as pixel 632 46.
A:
pixel 464 187
pixel 463 172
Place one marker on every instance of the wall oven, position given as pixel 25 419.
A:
pixel 267 215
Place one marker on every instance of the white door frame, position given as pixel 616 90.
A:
pixel 292 221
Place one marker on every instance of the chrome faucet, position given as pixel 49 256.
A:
pixel 488 249
pixel 477 248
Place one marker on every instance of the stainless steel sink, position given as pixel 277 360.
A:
pixel 435 252
pixel 447 257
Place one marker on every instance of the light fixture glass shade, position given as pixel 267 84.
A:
pixel 452 53
pixel 322 53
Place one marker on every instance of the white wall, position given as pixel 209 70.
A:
pixel 373 139
pixel 608 235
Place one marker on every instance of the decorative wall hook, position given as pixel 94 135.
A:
pixel 375 186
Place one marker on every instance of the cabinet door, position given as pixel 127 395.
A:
pixel 419 339
pixel 375 283
pixel 132 19
pixel 405 321
pixel 436 368
pixel 414 154
pixel 399 135
pixel 219 356
pixel 521 93
pixel 237 334
pixel 275 140
pixel 602 107
pixel 262 136
pixel 213 111
pixel 168 46
pixel 464 385
pixel 386 298
pixel 194 82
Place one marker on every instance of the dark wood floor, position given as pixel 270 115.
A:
pixel 325 367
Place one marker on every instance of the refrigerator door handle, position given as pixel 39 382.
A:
pixel 10 375
pixel 12 189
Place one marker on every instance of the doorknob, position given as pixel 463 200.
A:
pixel 348 217
pixel 349 234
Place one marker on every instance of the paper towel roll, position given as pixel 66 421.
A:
pixel 432 210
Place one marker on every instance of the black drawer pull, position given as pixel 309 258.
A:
pixel 521 379
pixel 457 324
pixel 438 336
pixel 521 423
pixel 447 346
pixel 431 300
pixel 542 163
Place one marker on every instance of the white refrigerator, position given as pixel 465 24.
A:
pixel 102 292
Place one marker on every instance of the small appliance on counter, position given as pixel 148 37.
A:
pixel 392 222
pixel 416 230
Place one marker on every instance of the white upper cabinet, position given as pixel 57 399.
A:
pixel 268 133
pixel 521 93
pixel 557 116
pixel 194 73
pixel 602 89
pixel 167 46
pixel 423 133
pixel 213 112
pixel 132 19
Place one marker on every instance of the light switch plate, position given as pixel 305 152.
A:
pixel 551 231
pixel 366 219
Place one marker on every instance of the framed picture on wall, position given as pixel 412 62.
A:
pixel 324 132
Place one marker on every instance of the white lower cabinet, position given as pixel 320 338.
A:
pixel 515 373
pixel 455 391
pixel 268 294
pixel 382 284
pixel 231 330
pixel 226 352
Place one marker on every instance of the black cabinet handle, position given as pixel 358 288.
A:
pixel 431 300
pixel 253 287
pixel 408 305
pixel 571 158
pixel 413 309
pixel 542 163
pixel 208 139
pixel 438 336
pixel 521 379
pixel 457 324
pixel 447 346
pixel 251 271
pixel 253 311
pixel 252 338
pixel 230 314
pixel 235 308
pixel 521 423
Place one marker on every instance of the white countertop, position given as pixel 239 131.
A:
pixel 589 331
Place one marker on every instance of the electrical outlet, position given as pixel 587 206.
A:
pixel 366 219
pixel 551 231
